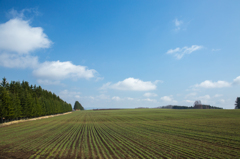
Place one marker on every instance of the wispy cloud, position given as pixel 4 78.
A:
pixel 21 14
pixel 216 50
pixel 18 61
pixel 150 100
pixel 178 24
pixel 150 94
pixel 49 82
pixel 131 84
pixel 116 98
pixel 180 52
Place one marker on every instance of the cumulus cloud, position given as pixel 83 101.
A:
pixel 210 84
pixel 150 94
pixel 16 35
pixel 166 98
pixel 218 84
pixel 18 61
pixel 116 98
pixel 150 100
pixel 236 81
pixel 131 84
pixel 61 70
pixel 18 39
pixel 180 52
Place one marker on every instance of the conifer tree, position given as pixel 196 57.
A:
pixel 77 105
pixel 21 100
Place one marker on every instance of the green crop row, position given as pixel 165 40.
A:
pixel 133 133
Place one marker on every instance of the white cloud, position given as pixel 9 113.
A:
pixel 12 14
pixel 129 98
pixel 77 96
pixel 150 94
pixel 62 70
pixel 131 84
pixel 49 82
pixel 16 35
pixel 191 94
pixel 206 97
pixel 166 98
pixel 99 79
pixel 210 84
pixel 218 84
pixel 222 101
pixel 236 81
pixel 189 101
pixel 180 52
pixel 178 24
pixel 150 100
pixel 69 93
pixel 18 40
pixel 216 49
pixel 103 96
pixel 116 98
pixel 218 95
pixel 18 61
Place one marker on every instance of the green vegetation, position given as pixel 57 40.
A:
pixel 133 133
pixel 237 103
pixel 19 100
pixel 78 106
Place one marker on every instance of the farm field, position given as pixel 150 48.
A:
pixel 132 133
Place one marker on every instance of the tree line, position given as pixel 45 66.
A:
pixel 18 100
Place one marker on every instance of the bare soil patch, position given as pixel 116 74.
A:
pixel 20 121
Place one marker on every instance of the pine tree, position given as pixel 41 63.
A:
pixel 237 103
pixel 7 108
pixel 77 105
pixel 21 100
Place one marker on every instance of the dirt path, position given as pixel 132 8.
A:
pixel 20 121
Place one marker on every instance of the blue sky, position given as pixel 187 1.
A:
pixel 124 54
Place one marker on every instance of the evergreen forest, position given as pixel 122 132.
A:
pixel 18 100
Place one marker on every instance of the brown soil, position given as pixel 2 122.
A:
pixel 20 121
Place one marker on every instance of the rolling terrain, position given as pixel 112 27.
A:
pixel 132 133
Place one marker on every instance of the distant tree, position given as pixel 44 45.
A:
pixel 4 82
pixel 237 103
pixel 77 105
